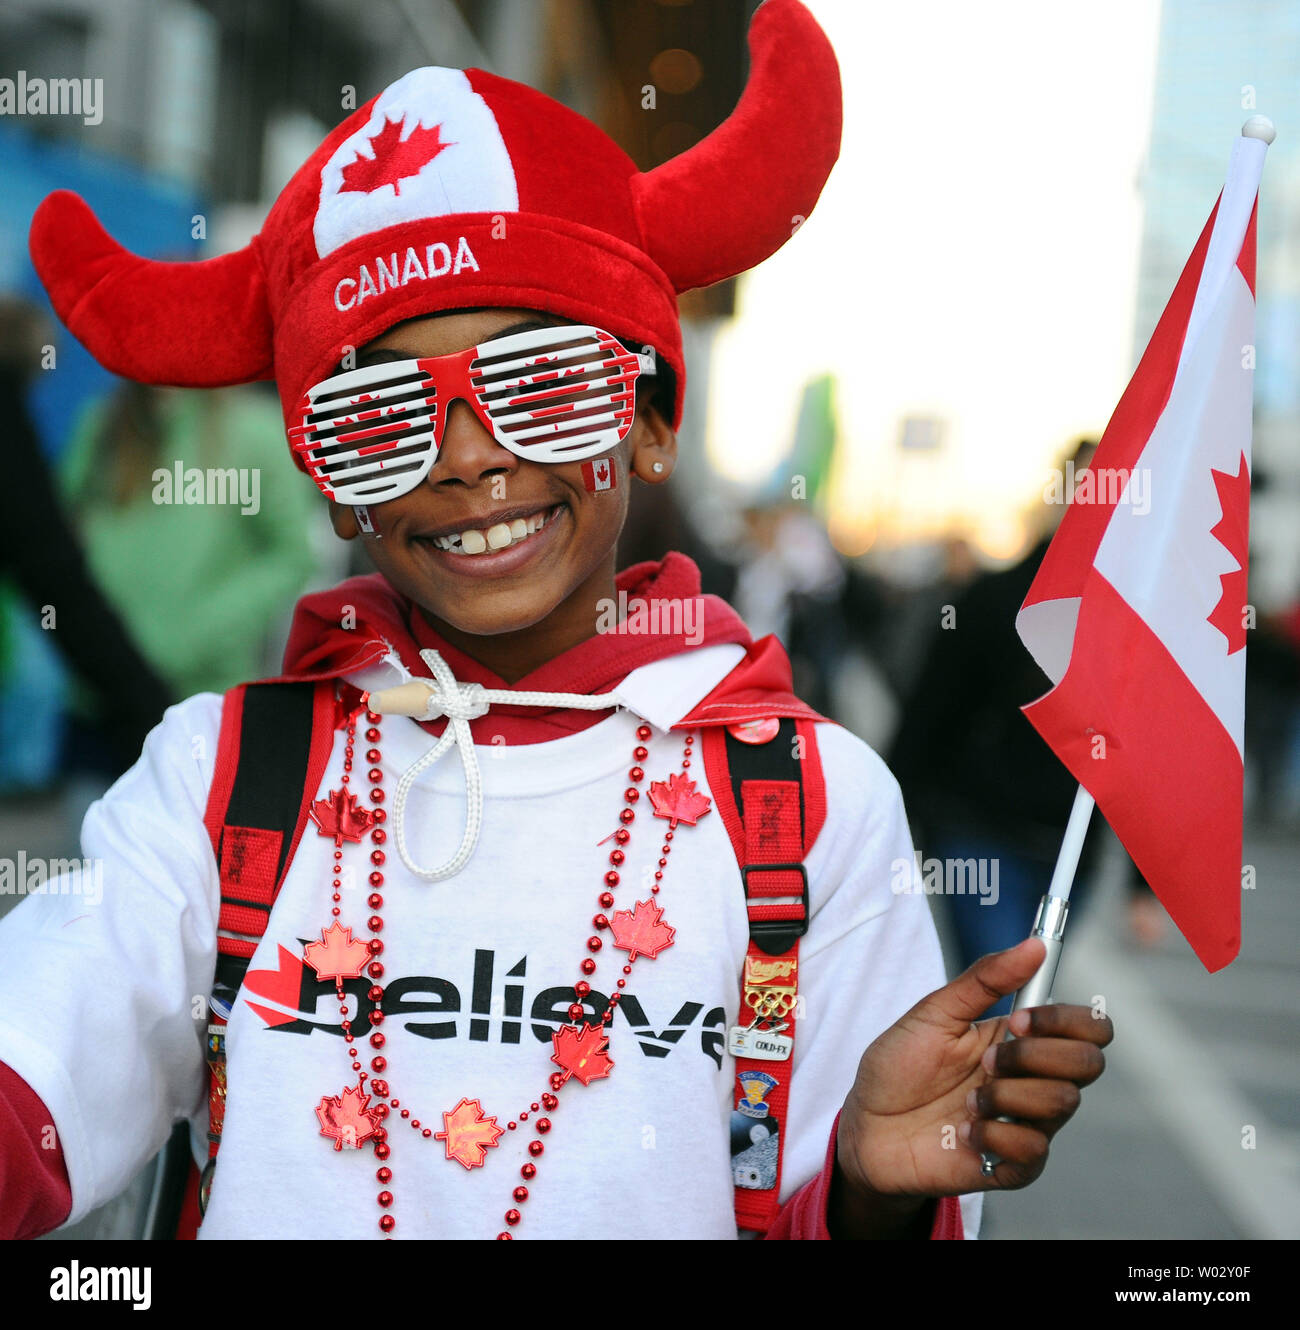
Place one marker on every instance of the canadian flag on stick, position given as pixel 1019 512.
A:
pixel 1139 612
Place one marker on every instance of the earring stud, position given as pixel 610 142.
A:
pixel 658 466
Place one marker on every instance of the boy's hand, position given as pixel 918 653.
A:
pixel 930 1088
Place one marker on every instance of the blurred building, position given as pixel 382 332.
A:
pixel 1217 65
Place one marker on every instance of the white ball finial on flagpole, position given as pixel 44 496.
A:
pixel 1259 127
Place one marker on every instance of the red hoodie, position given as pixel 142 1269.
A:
pixel 34 1182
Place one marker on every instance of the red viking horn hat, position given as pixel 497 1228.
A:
pixel 456 189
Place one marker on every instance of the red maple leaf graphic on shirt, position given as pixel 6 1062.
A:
pixel 468 1134
pixel 338 815
pixel 639 931
pixel 337 955
pixel 677 799
pixel 1231 532
pixel 580 1050
pixel 346 1119
pixel 396 159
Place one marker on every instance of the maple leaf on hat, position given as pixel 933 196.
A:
pixel 396 159
pixel 346 1118
pixel 468 1134
pixel 337 955
pixel 338 815
pixel 678 800
pixel 580 1050
pixel 639 931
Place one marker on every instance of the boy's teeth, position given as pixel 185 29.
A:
pixel 496 537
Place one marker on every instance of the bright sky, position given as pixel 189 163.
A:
pixel 973 256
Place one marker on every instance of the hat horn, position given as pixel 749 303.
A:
pixel 196 325
pixel 740 193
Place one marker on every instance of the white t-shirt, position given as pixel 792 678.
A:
pixel 103 1005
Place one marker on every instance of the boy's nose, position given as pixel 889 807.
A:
pixel 469 453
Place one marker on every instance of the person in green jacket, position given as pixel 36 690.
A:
pixel 197 532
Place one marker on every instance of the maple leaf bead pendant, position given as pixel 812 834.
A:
pixel 580 1048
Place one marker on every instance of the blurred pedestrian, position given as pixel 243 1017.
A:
pixel 988 795
pixel 43 555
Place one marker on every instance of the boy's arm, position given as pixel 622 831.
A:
pixel 871 952
pixel 33 1177
pixel 105 969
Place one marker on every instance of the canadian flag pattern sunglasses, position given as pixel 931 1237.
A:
pixel 555 394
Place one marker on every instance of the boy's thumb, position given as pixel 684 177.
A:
pixel 992 977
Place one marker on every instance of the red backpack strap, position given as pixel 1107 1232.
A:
pixel 771 796
pixel 274 745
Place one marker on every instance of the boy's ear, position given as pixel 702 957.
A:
pixel 654 441
pixel 344 521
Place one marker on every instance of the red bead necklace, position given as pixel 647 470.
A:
pixel 580 1049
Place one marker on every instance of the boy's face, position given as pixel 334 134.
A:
pixel 475 484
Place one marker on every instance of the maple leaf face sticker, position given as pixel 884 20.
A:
pixel 339 815
pixel 1231 532
pixel 580 1050
pixel 337 955
pixel 396 159
pixel 639 931
pixel 678 800
pixel 346 1119
pixel 468 1134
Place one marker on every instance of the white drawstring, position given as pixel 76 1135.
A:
pixel 443 695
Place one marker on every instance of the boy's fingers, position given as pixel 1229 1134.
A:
pixel 1062 1020
pixel 992 977
pixel 1049 1104
pixel 1052 1059
pixel 1011 1142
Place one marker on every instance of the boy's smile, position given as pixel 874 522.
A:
pixel 506 558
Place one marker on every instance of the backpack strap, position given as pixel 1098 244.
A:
pixel 274 746
pixel 771 796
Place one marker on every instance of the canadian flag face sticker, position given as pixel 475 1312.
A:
pixel 430 148
pixel 598 475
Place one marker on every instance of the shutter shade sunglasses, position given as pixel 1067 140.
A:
pixel 554 394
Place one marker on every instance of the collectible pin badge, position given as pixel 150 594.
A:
pixel 760 1045
pixel 755 731
pixel 755 1133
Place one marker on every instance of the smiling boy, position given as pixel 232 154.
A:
pixel 613 1009
pixel 515 608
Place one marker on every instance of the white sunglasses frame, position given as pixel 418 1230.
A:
pixel 417 447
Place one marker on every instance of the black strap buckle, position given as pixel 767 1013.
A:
pixel 777 936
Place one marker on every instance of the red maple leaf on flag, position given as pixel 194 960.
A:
pixel 396 159
pixel 1231 532
pixel 468 1134
pixel 346 1119
pixel 639 931
pixel 337 955
pixel 580 1050
pixel 678 800
pixel 338 815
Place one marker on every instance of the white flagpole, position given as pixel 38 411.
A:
pixel 1049 923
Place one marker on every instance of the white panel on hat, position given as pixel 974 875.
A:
pixel 429 123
